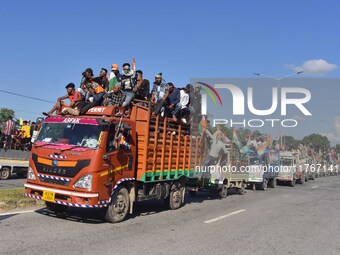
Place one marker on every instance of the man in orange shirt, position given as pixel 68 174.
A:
pixel 61 106
pixel 97 92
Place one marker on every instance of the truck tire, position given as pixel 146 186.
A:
pixel 192 193
pixel 5 173
pixel 306 178
pixel 22 175
pixel 302 179
pixel 119 206
pixel 223 192
pixel 242 190
pixel 175 198
pixel 56 207
pixel 264 185
pixel 272 183
pixel 292 183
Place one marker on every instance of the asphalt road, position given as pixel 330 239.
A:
pixel 300 220
pixel 12 182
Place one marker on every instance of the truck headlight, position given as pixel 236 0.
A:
pixel 84 182
pixel 30 174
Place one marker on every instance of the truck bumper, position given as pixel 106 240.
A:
pixel 65 197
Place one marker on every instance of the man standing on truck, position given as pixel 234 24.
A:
pixel 160 94
pixel 142 88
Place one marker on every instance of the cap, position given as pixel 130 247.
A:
pixel 170 84
pixel 158 75
pixel 70 85
pixel 114 67
pixel 105 70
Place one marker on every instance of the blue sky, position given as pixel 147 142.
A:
pixel 47 44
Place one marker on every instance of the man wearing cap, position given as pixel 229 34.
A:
pixel 160 94
pixel 74 97
pixel 102 79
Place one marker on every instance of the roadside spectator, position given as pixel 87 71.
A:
pixel 160 94
pixel 142 88
pixel 128 84
pixel 8 131
pixel 32 128
pixel 97 92
pixel 102 79
pixel 26 132
pixel 174 99
pixel 74 97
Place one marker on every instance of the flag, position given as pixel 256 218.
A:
pixel 270 140
pixel 278 141
pixel 235 139
pixel 21 122
pixel 112 80
pixel 262 148
pixel 133 64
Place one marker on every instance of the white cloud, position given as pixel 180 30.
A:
pixel 314 66
pixel 334 137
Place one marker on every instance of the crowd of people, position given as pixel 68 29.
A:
pixel 18 136
pixel 120 89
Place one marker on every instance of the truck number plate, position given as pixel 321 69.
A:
pixel 48 196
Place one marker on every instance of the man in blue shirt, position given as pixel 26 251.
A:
pixel 174 99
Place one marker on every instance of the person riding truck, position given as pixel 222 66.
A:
pixel 61 106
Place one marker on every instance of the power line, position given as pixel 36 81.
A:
pixel 29 97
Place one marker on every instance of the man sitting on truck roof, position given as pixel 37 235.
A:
pixel 102 79
pixel 74 97
pixel 142 87
pixel 116 98
pixel 95 91
pixel 160 95
pixel 174 99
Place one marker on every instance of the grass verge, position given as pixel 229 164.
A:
pixel 14 199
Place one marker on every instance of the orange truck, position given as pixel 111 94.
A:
pixel 102 161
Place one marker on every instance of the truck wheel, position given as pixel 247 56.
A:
pixel 174 200
pixel 119 206
pixel 272 183
pixel 5 173
pixel 292 183
pixel 56 207
pixel 192 193
pixel 223 192
pixel 242 190
pixel 264 185
pixel 302 179
pixel 22 175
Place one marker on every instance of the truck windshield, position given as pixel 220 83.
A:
pixel 286 162
pixel 72 134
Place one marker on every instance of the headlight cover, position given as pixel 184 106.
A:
pixel 30 174
pixel 84 182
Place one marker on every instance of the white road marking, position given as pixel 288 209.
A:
pixel 315 186
pixel 18 212
pixel 225 216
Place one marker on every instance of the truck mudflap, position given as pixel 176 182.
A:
pixel 78 199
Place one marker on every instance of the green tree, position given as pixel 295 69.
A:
pixel 290 142
pixel 317 141
pixel 338 148
pixel 5 113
